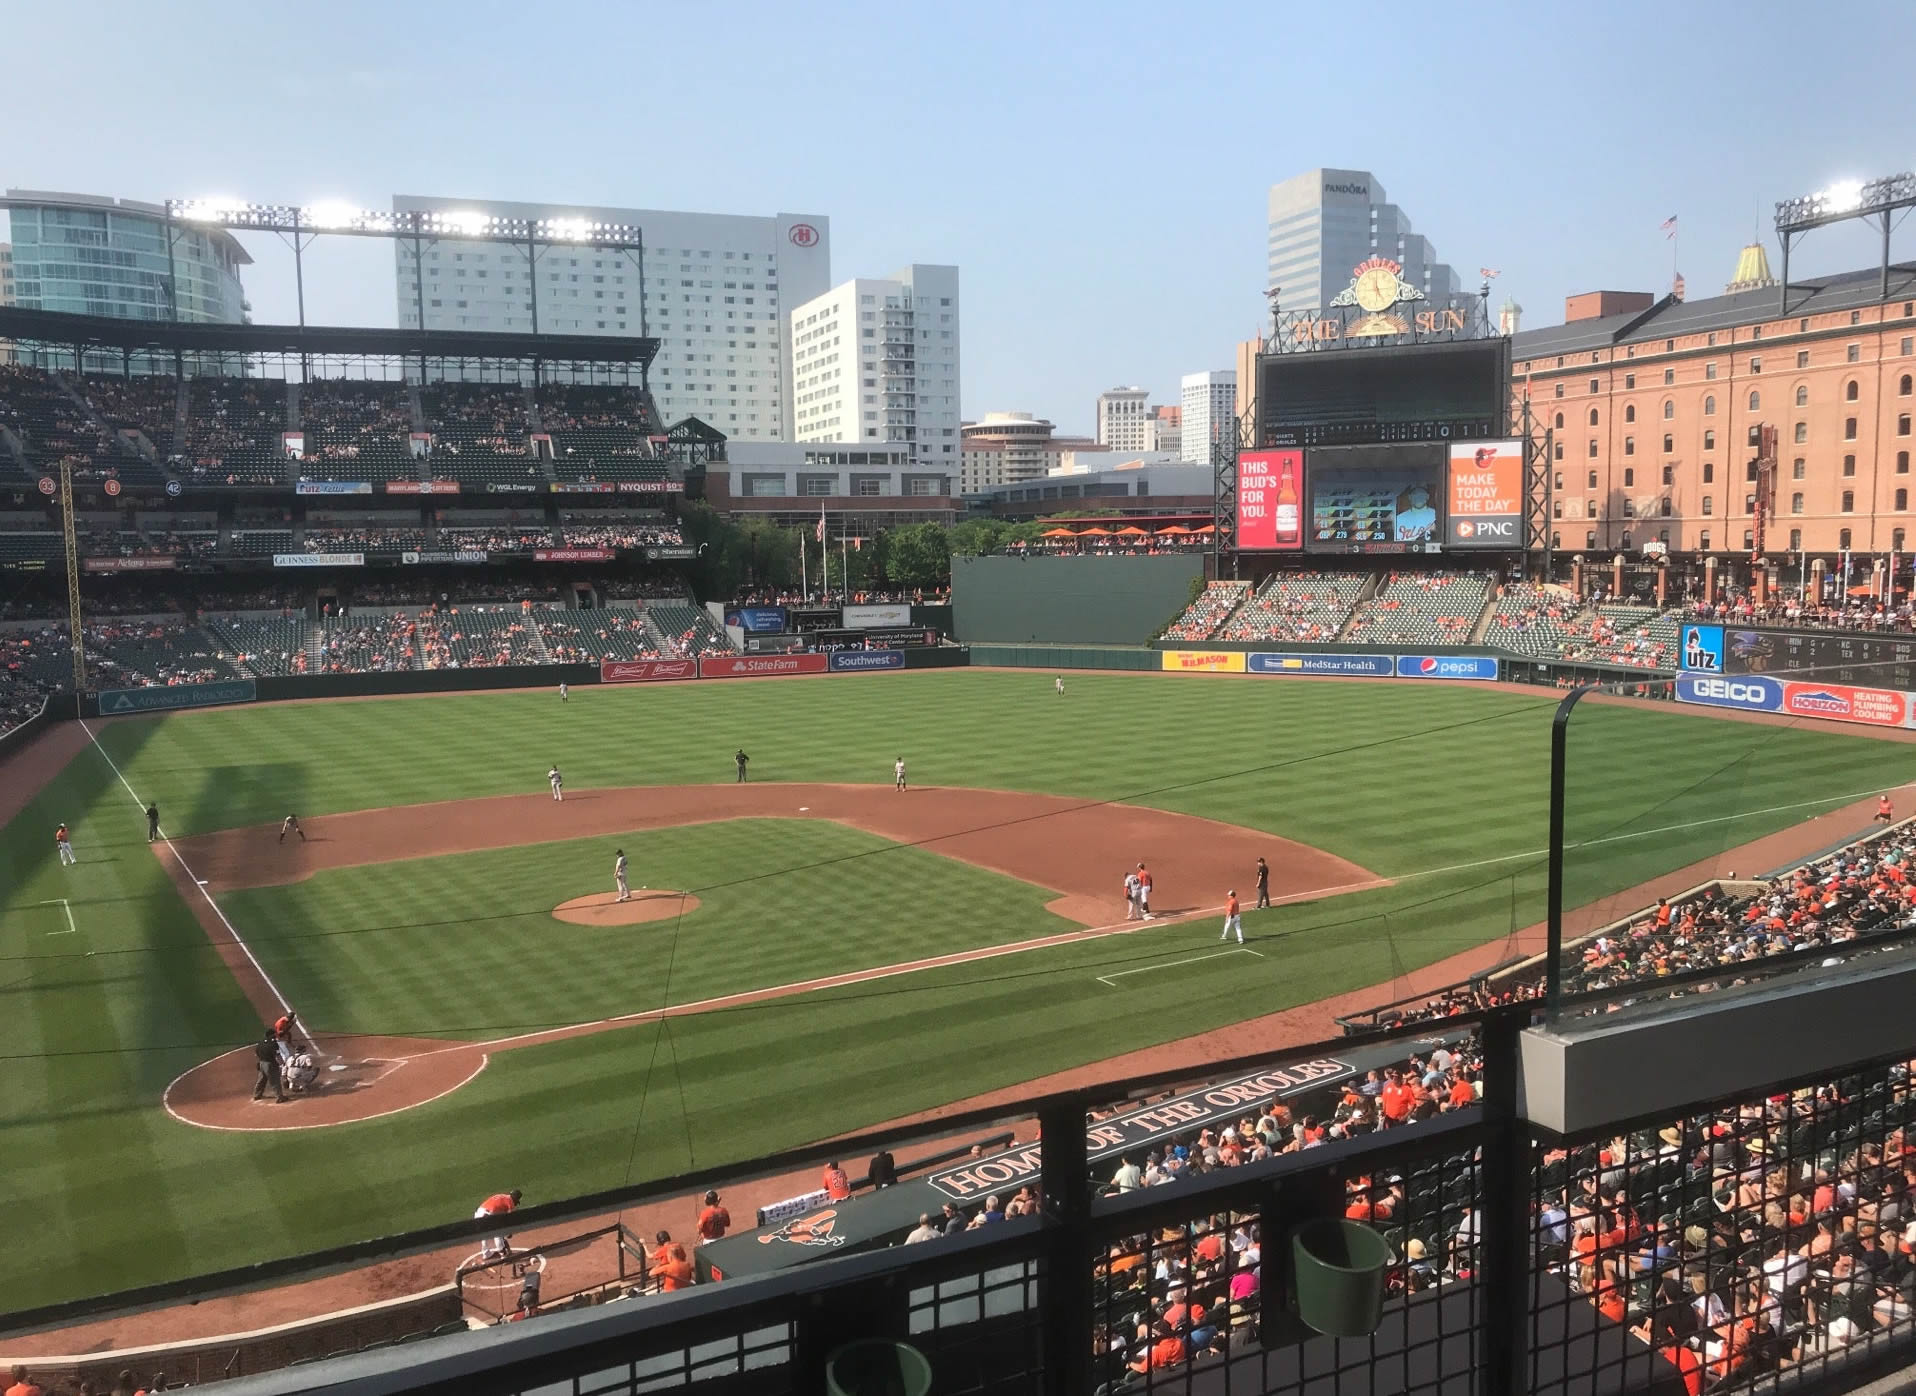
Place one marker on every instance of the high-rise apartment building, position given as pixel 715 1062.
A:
pixel 876 360
pixel 1209 410
pixel 84 254
pixel 711 287
pixel 1124 419
pixel 1324 222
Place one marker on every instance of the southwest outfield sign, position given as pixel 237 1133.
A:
pixel 114 701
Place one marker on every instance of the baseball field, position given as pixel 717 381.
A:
pixel 805 955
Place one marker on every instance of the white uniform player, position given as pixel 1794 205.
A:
pixel 1060 683
pixel 898 772
pixel 1131 896
pixel 618 877
pixel 564 692
pixel 557 782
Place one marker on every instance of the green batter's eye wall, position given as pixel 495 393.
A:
pixel 1069 600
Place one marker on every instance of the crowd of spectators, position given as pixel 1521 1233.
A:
pixel 1858 613
pixel 574 407
pixel 499 538
pixel 497 408
pixel 375 644
pixel 1421 608
pixel 146 403
pixel 348 412
pixel 1207 611
pixel 621 535
pixel 361 538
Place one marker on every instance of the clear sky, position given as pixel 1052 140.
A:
pixel 1097 171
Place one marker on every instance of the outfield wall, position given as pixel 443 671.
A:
pixel 53 710
pixel 1070 600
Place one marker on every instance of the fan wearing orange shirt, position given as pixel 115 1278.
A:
pixel 500 1204
pixel 676 1270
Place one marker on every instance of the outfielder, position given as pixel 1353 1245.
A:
pixel 1060 682
pixel 64 842
pixel 564 694
pixel 618 877
pixel 290 825
pixel 1231 921
pixel 557 782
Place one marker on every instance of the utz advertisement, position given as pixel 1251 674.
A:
pixel 1700 649
pixel 1202 661
pixel 754 666
pixel 646 670
pixel 1486 494
pixel 865 661
pixel 1878 707
pixel 1342 666
pixel 1270 500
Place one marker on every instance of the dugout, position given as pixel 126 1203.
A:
pixel 873 1220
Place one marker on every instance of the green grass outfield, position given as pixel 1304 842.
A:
pixel 1441 787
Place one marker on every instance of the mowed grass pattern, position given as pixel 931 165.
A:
pixel 467 945
pixel 1441 787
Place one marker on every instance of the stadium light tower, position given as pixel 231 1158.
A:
pixel 298 225
pixel 1841 201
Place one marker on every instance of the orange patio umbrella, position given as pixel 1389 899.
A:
pixel 1172 528
pixel 1094 529
pixel 1133 531
pixel 1057 533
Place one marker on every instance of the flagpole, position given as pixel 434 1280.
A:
pixel 804 582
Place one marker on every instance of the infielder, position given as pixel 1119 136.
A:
pixel 618 877
pixel 1144 892
pixel 290 825
pixel 564 695
pixel 1130 896
pixel 557 783
pixel 1231 921
pixel 898 772
pixel 64 842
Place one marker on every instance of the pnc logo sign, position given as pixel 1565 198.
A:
pixel 803 235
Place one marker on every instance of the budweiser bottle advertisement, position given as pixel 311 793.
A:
pixel 1289 526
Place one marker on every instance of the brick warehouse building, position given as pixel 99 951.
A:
pixel 1654 403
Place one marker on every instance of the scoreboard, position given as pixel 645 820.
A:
pixel 1860 659
pixel 1453 391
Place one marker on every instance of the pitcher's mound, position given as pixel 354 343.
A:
pixel 605 908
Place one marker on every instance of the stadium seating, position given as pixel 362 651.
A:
pixel 49 422
pixel 356 430
pixel 614 632
pixel 1421 608
pixel 1297 606
pixel 583 532
pixel 126 654
pixel 146 403
pixel 1542 622
pixel 261 645
pixel 234 431
pixel 1207 612
pixel 475 637
pixel 260 542
pixel 368 644
pixel 687 629
pixel 505 538
pixel 334 538
pixel 599 432
pixel 25 547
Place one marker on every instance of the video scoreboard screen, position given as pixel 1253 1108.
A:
pixel 1457 390
pixel 1375 499
pixel 1865 661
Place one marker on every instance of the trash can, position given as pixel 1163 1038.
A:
pixel 877 1367
pixel 1338 1270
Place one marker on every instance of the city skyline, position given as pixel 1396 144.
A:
pixel 1077 283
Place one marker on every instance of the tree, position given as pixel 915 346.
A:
pixel 916 556
pixel 979 537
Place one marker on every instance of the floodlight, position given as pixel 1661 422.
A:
pixel 208 210
pixel 330 214
pixel 1842 197
pixel 468 221
pixel 568 229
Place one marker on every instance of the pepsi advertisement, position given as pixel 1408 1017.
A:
pixel 1446 666
pixel 1341 666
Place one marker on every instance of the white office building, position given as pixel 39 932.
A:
pixel 711 287
pixel 1324 222
pixel 1208 403
pixel 877 360
pixel 1124 419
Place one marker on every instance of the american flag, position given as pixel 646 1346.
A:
pixel 1669 226
pixel 1488 272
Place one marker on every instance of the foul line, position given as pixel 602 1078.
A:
pixel 245 949
pixel 1105 979
pixel 63 902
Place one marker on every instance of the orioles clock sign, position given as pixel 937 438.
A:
pixel 1377 287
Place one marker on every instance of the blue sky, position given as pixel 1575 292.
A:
pixel 1097 172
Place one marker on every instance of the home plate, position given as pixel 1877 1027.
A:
pixel 803 808
pixel 337 1066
